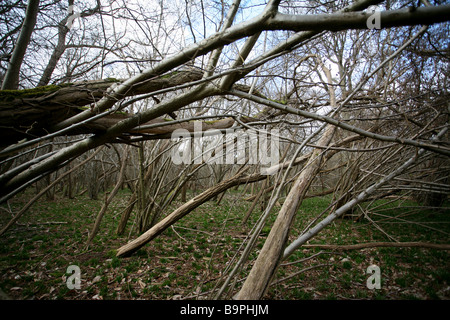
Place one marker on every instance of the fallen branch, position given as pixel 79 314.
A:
pixel 380 244
pixel 301 240
pixel 183 210
pixel 32 113
pixel 300 272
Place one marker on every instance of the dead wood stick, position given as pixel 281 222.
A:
pixel 380 244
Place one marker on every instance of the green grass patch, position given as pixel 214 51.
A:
pixel 189 259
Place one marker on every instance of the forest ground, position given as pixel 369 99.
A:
pixel 189 259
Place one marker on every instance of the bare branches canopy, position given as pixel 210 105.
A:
pixel 355 90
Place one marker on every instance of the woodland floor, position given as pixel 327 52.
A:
pixel 188 260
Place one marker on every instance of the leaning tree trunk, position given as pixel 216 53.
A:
pixel 183 210
pixel 11 80
pixel 110 197
pixel 270 256
pixel 353 202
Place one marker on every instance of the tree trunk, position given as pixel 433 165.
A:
pixel 255 201
pixel 126 214
pixel 358 199
pixel 270 256
pixel 11 80
pixel 109 198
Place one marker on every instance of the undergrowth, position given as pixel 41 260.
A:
pixel 190 260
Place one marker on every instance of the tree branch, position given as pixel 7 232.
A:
pixel 359 246
pixel 431 147
pixel 358 20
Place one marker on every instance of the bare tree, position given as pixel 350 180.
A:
pixel 369 104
